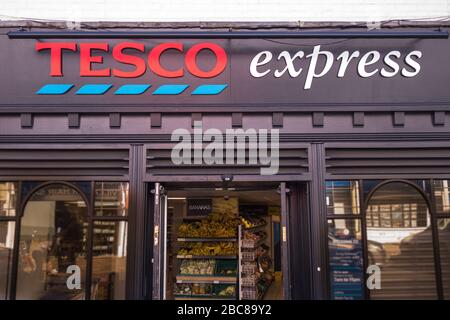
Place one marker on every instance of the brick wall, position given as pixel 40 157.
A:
pixel 228 10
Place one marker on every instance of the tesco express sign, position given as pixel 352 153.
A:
pixel 263 64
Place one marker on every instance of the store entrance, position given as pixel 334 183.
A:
pixel 220 242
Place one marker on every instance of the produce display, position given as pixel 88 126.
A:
pixel 251 222
pixel 264 263
pixel 226 268
pixel 214 226
pixel 256 275
pixel 255 236
pixel 228 291
pixel 198 267
pixel 204 289
pixel 262 250
pixel 220 248
pixel 188 289
pixel 226 272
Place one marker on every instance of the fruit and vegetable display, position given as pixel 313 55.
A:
pixel 226 268
pixel 228 291
pixel 188 289
pixel 204 289
pixel 198 267
pixel 255 236
pixel 264 263
pixel 251 239
pixel 251 221
pixel 220 248
pixel 214 226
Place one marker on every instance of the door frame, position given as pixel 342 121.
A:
pixel 285 241
pixel 158 259
pixel 158 236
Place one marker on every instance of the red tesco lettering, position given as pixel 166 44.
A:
pixel 91 57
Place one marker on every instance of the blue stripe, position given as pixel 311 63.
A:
pixel 209 89
pixel 133 89
pixel 171 89
pixel 54 89
pixel 94 89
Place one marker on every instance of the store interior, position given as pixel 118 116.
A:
pixel 223 243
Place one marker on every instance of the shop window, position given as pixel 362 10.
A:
pixel 6 257
pixel 442 196
pixel 400 242
pixel 109 253
pixel 8 199
pixel 52 242
pixel 8 204
pixel 342 197
pixel 111 199
pixel 345 259
pixel 109 245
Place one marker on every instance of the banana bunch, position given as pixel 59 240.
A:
pixel 214 226
pixel 250 222
pixel 209 249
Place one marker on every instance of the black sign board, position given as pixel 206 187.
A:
pixel 198 207
pixel 302 72
pixel 253 209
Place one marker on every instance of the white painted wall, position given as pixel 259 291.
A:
pixel 225 10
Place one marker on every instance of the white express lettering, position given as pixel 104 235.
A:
pixel 412 63
pixel 391 64
pixel 256 63
pixel 346 58
pixel 289 64
pixel 312 66
pixel 364 62
pixel 321 62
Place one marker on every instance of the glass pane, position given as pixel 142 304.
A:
pixel 444 244
pixel 6 254
pixel 53 245
pixel 342 197
pixel 8 198
pixel 402 245
pixel 346 259
pixel 442 196
pixel 111 198
pixel 109 254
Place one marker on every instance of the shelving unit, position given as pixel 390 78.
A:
pixel 215 282
pixel 206 239
pixel 248 265
pixel 187 256
pixel 206 279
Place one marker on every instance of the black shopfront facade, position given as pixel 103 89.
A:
pixel 364 154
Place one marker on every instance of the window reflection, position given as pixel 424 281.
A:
pixel 442 196
pixel 111 198
pixel 342 197
pixel 52 238
pixel 6 253
pixel 109 253
pixel 396 215
pixel 399 238
pixel 8 198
